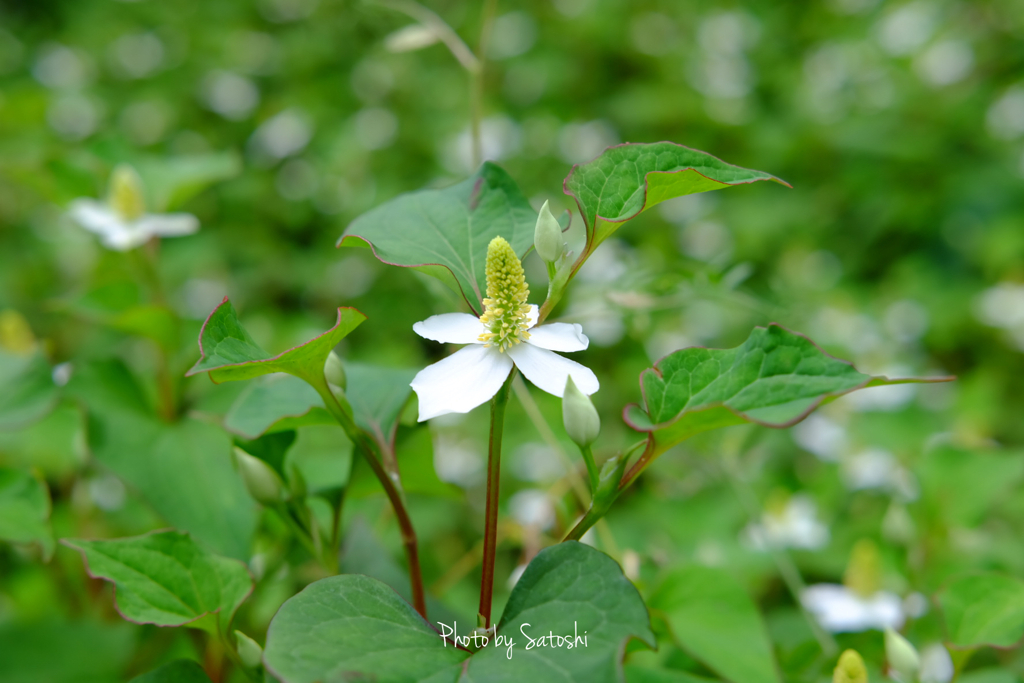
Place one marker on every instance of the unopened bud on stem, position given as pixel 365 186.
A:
pixel 579 416
pixel 249 651
pixel 850 669
pixel 904 662
pixel 547 236
pixel 334 371
pixel 260 479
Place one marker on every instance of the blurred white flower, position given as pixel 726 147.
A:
pixel 74 116
pixel 936 664
pixel 794 524
pixel 945 62
pixel 532 508
pixel 121 221
pixel 1002 306
pixel 1005 117
pixel 457 462
pixel 500 138
pixel 875 468
pixel 536 462
pixel 230 95
pixel 821 436
pixel 653 33
pixel 581 142
pixel 137 55
pixel 513 34
pixel 840 610
pixel 62 67
pixel 282 135
pixel 375 127
pixel 907 27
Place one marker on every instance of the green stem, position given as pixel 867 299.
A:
pixel 368 447
pixel 592 471
pixel 498 404
pixel 476 82
pixel 304 537
pixel 787 570
pixel 232 654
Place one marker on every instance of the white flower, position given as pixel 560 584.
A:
pixel 506 334
pixel 793 525
pixel 840 610
pixel 122 222
pixel 472 375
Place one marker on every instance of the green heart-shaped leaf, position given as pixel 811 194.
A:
pixel 445 233
pixel 714 619
pixel 353 625
pixel 166 578
pixel 279 402
pixel 631 178
pixel 229 354
pixel 775 378
pixel 984 609
pixel 183 469
pixel 27 391
pixel 24 510
pixel 568 590
pixel 274 403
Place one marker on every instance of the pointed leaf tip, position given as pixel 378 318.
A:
pixel 630 178
pixel 776 378
pixel 229 353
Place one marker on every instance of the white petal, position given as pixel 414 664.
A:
pixel 460 382
pixel 531 316
pixel 549 371
pixel 839 610
pixel 559 337
pixel 96 217
pixel 453 328
pixel 167 224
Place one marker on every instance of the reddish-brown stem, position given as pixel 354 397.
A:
pixel 498 404
pixel 368 447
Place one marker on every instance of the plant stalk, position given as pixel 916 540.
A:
pixel 476 82
pixel 498 404
pixel 368 447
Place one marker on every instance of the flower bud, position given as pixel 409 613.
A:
pixel 904 662
pixel 260 479
pixel 864 573
pixel 547 236
pixel 334 371
pixel 850 669
pixel 126 197
pixel 579 416
pixel 249 651
pixel 608 481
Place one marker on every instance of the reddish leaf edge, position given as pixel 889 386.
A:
pixel 202 352
pixel 67 543
pixel 802 416
pixel 586 221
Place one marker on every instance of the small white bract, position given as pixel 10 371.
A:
pixel 506 334
pixel 121 221
pixel 841 610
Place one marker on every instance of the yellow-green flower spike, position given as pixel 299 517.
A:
pixel 850 669
pixel 506 313
pixel 126 196
pixel 864 573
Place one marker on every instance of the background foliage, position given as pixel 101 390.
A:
pixel 277 122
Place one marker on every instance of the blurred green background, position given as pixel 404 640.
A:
pixel 900 247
